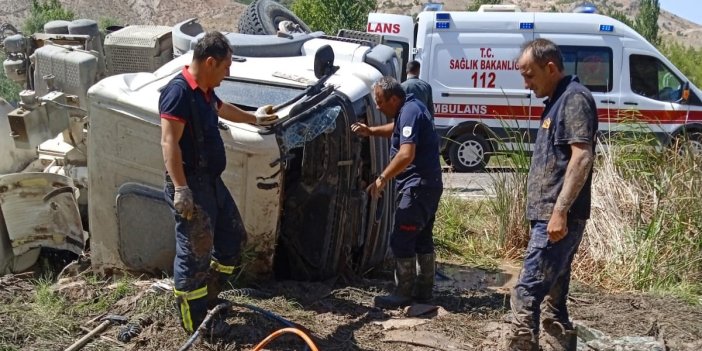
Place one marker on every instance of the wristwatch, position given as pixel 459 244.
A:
pixel 381 177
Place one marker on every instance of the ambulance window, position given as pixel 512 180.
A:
pixel 592 65
pixel 652 79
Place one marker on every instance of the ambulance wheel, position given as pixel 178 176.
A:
pixel 263 16
pixel 692 144
pixel 469 153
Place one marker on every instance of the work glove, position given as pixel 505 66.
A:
pixel 265 115
pixel 183 202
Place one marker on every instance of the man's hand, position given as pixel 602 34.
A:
pixel 361 129
pixel 557 227
pixel 183 202
pixel 376 188
pixel 265 115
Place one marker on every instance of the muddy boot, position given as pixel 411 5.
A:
pixel 556 337
pixel 218 280
pixel 424 284
pixel 521 339
pixel 405 272
pixel 214 287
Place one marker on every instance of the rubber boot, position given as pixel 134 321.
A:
pixel 556 337
pixel 521 339
pixel 405 272
pixel 214 287
pixel 217 282
pixel 424 284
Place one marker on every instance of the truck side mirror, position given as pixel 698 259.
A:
pixel 323 61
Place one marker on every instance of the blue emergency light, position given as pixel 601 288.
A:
pixel 606 28
pixel 443 25
pixel 443 16
pixel 526 25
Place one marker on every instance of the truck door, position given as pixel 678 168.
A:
pixel 652 93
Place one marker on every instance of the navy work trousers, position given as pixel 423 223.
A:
pixel 213 234
pixel 545 275
pixel 414 221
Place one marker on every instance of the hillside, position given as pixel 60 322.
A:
pixel 213 14
pixel 224 14
pixel 672 27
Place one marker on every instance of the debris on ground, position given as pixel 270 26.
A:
pixel 337 316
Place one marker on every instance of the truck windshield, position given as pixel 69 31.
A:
pixel 255 94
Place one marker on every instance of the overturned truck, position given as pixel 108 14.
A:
pixel 82 164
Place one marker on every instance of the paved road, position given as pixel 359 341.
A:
pixel 471 185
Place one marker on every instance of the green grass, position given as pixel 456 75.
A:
pixel 645 232
pixel 463 232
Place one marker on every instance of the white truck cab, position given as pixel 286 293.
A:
pixel 92 137
pixel 482 106
pixel 294 182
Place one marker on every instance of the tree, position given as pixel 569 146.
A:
pixel 619 16
pixel 646 22
pixel 9 90
pixel 475 5
pixel 43 11
pixel 331 15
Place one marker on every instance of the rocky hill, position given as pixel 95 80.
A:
pixel 224 14
pixel 213 14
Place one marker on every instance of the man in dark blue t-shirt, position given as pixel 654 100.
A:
pixel 415 166
pixel 209 229
pixel 417 87
pixel 558 201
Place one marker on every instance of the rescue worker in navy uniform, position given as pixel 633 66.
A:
pixel 415 167
pixel 417 87
pixel 209 230
pixel 558 201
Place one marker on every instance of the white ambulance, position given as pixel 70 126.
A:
pixel 481 104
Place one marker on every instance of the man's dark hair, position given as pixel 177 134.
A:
pixel 390 87
pixel 413 67
pixel 213 44
pixel 544 51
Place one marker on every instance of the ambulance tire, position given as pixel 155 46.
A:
pixel 692 143
pixel 263 16
pixel 469 153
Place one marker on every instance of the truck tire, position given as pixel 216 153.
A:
pixel 263 16
pixel 469 153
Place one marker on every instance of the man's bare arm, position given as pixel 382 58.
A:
pixel 383 130
pixel 234 114
pixel 576 175
pixel 171 131
pixel 402 159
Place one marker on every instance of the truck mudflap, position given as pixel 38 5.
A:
pixel 39 210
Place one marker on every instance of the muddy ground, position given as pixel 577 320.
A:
pixel 337 313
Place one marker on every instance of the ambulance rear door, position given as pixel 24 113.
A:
pixel 398 33
pixel 470 60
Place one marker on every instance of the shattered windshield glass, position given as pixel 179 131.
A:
pixel 310 126
pixel 254 94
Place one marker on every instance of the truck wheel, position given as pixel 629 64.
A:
pixel 263 16
pixel 469 153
